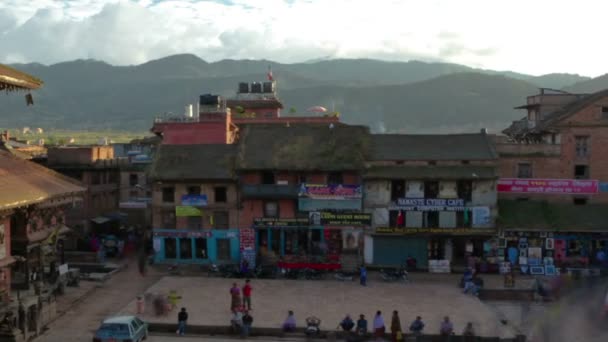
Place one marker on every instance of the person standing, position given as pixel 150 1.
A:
pixel 379 326
pixel 290 322
pixel 235 294
pixel 182 319
pixel 247 294
pixel 363 276
pixel 396 327
pixel 247 322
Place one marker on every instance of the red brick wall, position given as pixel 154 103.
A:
pixel 587 122
pixel 195 133
pixel 253 209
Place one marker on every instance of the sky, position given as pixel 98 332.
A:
pixel 528 36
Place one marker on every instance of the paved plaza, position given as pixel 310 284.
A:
pixel 430 296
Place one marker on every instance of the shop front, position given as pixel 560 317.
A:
pixel 196 246
pixel 456 246
pixel 547 252
pixel 307 241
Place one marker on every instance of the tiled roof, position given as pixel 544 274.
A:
pixel 194 162
pixel 521 126
pixel 11 79
pixel 23 182
pixel 431 172
pixel 570 109
pixel 432 147
pixel 540 215
pixel 305 147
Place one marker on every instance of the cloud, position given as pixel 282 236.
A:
pixel 493 35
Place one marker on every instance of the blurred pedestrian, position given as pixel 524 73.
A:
pixel 379 327
pixel 289 325
pixel 417 326
pixel 247 322
pixel 396 327
pixel 247 294
pixel 447 328
pixel 363 276
pixel 182 319
pixel 235 294
pixel 361 325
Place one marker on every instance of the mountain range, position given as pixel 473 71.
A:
pixel 412 97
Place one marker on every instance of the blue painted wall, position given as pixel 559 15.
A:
pixel 212 252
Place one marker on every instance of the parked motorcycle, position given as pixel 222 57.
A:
pixel 345 276
pixel 312 274
pixel 395 275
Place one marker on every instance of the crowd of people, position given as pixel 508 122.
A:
pixel 242 320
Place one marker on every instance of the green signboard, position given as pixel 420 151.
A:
pixel 184 210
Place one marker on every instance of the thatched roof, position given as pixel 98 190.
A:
pixel 12 80
pixel 473 146
pixel 303 147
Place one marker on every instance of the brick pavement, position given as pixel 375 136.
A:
pixel 430 296
pixel 80 321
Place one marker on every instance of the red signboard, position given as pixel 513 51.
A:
pixel 548 186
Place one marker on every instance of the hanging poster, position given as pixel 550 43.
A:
pixel 548 186
pixel 481 216
pixel 2 242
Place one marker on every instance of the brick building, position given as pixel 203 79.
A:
pixel 432 197
pixel 195 204
pixel 300 189
pixel 99 171
pixel 553 173
pixel 33 202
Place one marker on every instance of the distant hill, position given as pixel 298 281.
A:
pixel 589 86
pixel 89 94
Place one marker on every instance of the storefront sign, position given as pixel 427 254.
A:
pixel 179 233
pixel 446 231
pixel 603 187
pixel 431 204
pixel 279 222
pixel 340 219
pixel 194 200
pixel 548 186
pixel 333 192
pixel 311 204
pixel 182 211
pixel 2 242
pixel 133 205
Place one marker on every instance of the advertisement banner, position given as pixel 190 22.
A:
pixel 2 242
pixel 340 219
pixel 431 204
pixel 179 233
pixel 333 192
pixel 445 231
pixel 310 204
pixel 280 222
pixel 194 200
pixel 183 211
pixel 548 186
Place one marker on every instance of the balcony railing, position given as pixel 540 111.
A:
pixel 550 150
pixel 270 191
